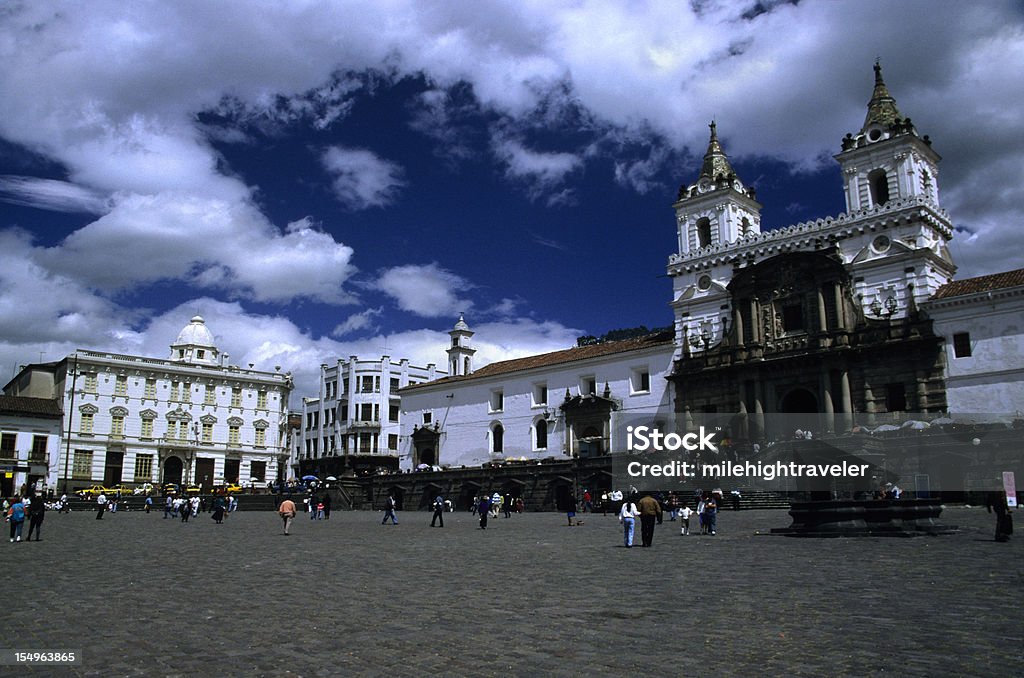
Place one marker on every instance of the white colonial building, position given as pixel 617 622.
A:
pixel 30 436
pixel 555 405
pixel 354 425
pixel 188 418
pixel 982 322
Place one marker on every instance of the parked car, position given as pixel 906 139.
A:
pixel 92 491
pixel 193 490
pixel 123 489
pixel 230 488
pixel 170 489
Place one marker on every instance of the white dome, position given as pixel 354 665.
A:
pixel 196 333
pixel 461 325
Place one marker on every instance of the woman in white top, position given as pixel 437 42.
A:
pixel 627 516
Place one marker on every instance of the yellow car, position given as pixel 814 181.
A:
pixel 193 489
pixel 92 491
pixel 232 488
pixel 123 489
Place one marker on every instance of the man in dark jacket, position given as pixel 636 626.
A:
pixel 650 513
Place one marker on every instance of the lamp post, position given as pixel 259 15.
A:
pixel 71 414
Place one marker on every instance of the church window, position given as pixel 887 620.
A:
pixel 541 442
pixel 895 398
pixel 962 345
pixel 498 438
pixel 497 401
pixel 703 232
pixel 878 182
pixel 792 317
pixel 200 354
pixel 428 417
pixel 745 227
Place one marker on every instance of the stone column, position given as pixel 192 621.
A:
pixel 869 405
pixel 758 410
pixel 755 322
pixel 737 324
pixel 844 387
pixel 826 390
pixel 822 320
pixel 837 289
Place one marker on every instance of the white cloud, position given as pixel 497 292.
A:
pixel 115 97
pixel 428 290
pixel 50 194
pixel 357 321
pixel 207 243
pixel 361 179
pixel 542 172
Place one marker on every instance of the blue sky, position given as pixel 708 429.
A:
pixel 324 179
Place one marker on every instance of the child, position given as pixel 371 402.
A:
pixel 684 516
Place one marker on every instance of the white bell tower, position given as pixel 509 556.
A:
pixel 717 208
pixel 460 355
pixel 887 160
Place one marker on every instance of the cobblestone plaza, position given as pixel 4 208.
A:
pixel 139 595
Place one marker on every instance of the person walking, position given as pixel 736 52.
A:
pixel 438 510
pixel 16 517
pixel 36 513
pixel 218 510
pixel 570 508
pixel 684 516
pixel 101 506
pixel 168 506
pixel 627 516
pixel 287 512
pixel 327 505
pixel 149 504
pixel 650 513
pixel 998 504
pixel 711 511
pixel 483 507
pixel 389 511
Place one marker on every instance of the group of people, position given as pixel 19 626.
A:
pixel 648 509
pixel 190 507
pixel 32 508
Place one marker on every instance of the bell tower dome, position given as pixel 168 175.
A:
pixel 717 208
pixel 887 160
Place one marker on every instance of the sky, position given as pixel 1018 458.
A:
pixel 326 179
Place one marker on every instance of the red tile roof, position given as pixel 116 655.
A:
pixel 568 355
pixel 46 408
pixel 984 283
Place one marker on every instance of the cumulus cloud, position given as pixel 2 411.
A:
pixel 116 99
pixel 361 179
pixel 427 290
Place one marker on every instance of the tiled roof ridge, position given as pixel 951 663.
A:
pixel 561 356
pixel 981 283
pixel 30 405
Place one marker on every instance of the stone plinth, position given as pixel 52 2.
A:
pixel 865 518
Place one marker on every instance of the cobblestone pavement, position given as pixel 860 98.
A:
pixel 139 595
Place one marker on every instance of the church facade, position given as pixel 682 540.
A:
pixel 821 318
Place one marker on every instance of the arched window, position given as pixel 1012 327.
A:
pixel 744 227
pixel 497 438
pixel 541 442
pixel 879 185
pixel 703 232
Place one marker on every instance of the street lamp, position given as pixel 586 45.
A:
pixel 71 414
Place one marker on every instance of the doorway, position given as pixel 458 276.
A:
pixel 172 470
pixel 112 468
